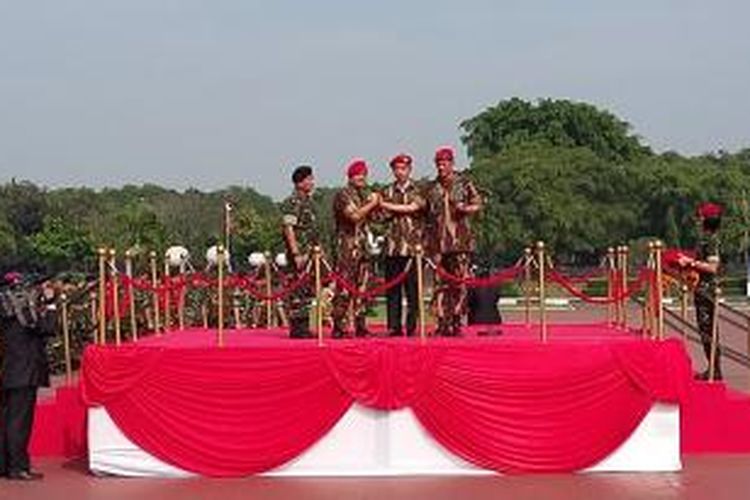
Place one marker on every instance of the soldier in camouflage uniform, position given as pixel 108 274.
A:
pixel 451 199
pixel 352 208
pixel 403 205
pixel 706 263
pixel 300 232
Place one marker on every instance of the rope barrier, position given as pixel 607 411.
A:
pixel 508 274
pixel 620 293
pixel 372 292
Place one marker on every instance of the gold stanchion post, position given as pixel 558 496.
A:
pixel 419 258
pixel 93 313
pixel 115 295
pixel 684 294
pixel 528 259
pixel 542 293
pixel 167 297
pixel 102 321
pixel 131 295
pixel 658 247
pixel 236 308
pixel 318 294
pixel 181 301
pixel 714 337
pixel 66 338
pixel 624 277
pixel 618 287
pixel 648 320
pixel 611 270
pixel 269 289
pixel 220 294
pixel 155 286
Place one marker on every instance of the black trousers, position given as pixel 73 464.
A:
pixel 393 267
pixel 704 315
pixel 16 419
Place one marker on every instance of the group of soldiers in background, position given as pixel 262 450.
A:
pixel 434 218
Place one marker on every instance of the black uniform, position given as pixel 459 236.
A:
pixel 24 369
pixel 705 295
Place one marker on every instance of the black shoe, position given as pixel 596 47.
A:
pixel 24 475
pixel 338 333
pixel 300 333
pixel 363 332
pixel 442 331
pixel 395 333
pixel 704 375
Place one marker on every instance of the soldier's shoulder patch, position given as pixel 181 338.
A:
pixel 290 219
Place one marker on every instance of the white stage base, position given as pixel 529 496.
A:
pixel 372 443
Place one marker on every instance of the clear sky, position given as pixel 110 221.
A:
pixel 211 93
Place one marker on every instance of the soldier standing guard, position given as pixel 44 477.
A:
pixel 351 209
pixel 707 264
pixel 452 199
pixel 403 205
pixel 27 318
pixel 300 232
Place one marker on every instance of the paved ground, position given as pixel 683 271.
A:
pixel 714 477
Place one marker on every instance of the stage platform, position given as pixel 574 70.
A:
pixel 590 398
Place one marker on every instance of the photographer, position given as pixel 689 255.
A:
pixel 27 318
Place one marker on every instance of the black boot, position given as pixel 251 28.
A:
pixel 338 331
pixel 299 328
pixel 443 329
pixel 360 327
pixel 456 326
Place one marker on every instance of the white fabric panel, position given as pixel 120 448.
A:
pixel 372 443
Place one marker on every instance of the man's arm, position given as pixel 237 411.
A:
pixel 473 202
pixel 358 214
pixel 708 266
pixel 401 208
pixel 289 220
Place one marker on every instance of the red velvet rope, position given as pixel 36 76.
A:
pixel 279 294
pixel 587 277
pixel 372 292
pixel 109 295
pixel 620 293
pixel 500 277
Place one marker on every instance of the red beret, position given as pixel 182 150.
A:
pixel 402 158
pixel 356 167
pixel 709 210
pixel 444 153
pixel 12 278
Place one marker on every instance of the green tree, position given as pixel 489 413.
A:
pixel 61 246
pixel 25 207
pixel 556 122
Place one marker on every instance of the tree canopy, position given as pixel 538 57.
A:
pixel 564 172
pixel 555 122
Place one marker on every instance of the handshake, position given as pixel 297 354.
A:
pixel 375 198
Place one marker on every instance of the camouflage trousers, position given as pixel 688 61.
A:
pixel 345 304
pixel 297 305
pixel 704 317
pixel 450 297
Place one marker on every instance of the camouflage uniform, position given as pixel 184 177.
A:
pixel 352 259
pixel 298 213
pixel 452 244
pixel 704 294
pixel 404 232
